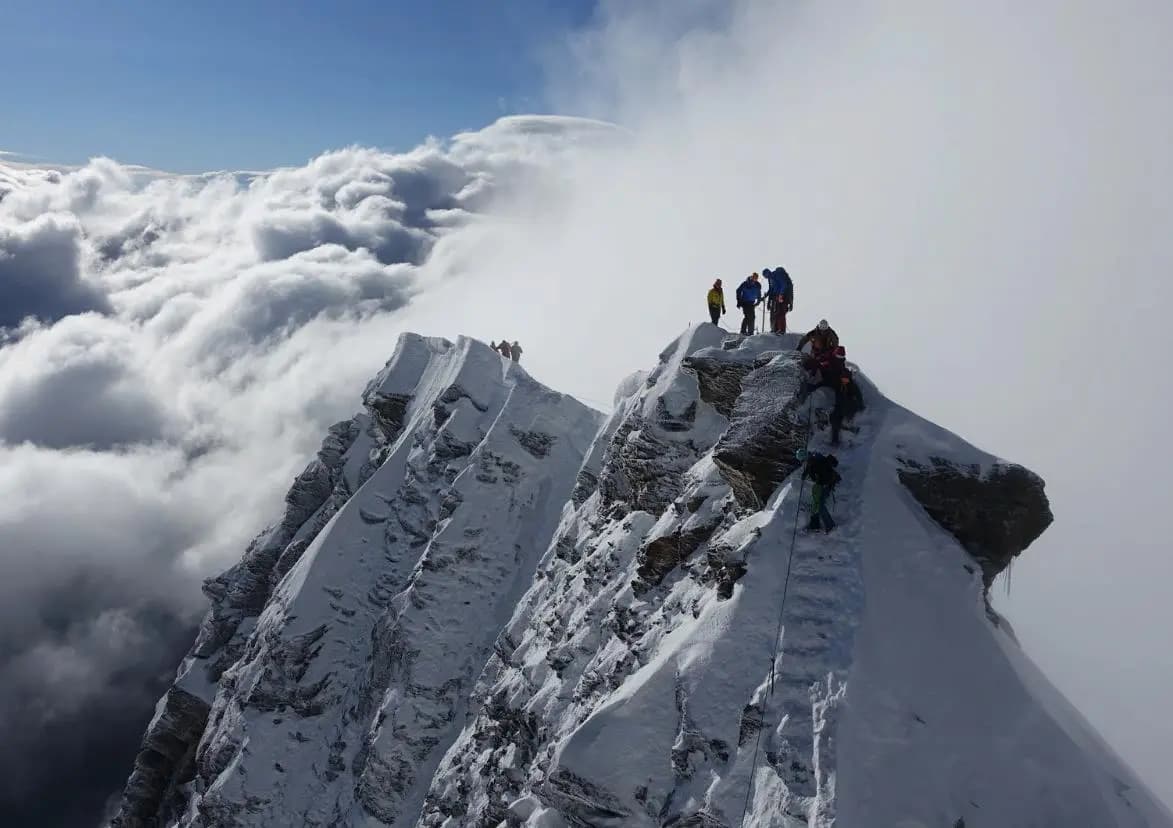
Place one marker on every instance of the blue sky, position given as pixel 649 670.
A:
pixel 258 83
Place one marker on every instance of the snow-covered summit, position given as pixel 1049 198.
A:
pixel 485 605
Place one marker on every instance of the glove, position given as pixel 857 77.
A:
pixel 722 311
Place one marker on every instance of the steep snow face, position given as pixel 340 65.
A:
pixel 338 656
pixel 690 655
pixel 485 607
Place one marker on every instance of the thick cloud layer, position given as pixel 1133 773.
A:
pixel 173 350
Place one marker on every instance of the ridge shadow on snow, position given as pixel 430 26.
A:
pixel 486 604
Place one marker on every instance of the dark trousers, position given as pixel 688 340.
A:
pixel 845 408
pixel 714 314
pixel 747 324
pixel 778 318
pixel 776 310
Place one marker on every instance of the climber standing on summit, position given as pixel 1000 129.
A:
pixel 716 299
pixel 515 351
pixel 749 296
pixel 779 298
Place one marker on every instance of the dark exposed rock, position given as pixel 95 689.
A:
pixel 280 687
pixel 994 514
pixel 536 443
pixel 643 472
pixel 722 571
pixel 584 486
pixel 673 421
pixel 660 556
pixel 503 731
pixel 453 393
pixel 388 411
pixel 751 723
pixel 719 380
pixel 581 803
pixel 768 425
pixel 165 761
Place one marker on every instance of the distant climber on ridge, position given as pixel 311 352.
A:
pixel 504 349
pixel 821 469
pixel 779 297
pixel 716 299
pixel 823 340
pixel 515 351
pixel 749 296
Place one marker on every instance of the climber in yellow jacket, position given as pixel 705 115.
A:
pixel 716 302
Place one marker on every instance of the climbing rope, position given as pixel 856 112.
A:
pixel 781 613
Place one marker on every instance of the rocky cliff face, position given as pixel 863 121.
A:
pixel 485 607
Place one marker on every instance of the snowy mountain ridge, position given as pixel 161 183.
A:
pixel 488 605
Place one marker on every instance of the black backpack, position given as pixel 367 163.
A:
pixel 821 468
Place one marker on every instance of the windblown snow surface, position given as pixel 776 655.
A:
pixel 486 605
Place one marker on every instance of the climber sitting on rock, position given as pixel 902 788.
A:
pixel 821 469
pixel 822 371
pixel 823 340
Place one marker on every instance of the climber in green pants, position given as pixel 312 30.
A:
pixel 821 469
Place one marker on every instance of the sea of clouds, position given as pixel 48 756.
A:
pixel 976 195
pixel 173 349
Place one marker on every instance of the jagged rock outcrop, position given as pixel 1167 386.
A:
pixel 527 617
pixel 769 424
pixel 165 762
pixel 995 512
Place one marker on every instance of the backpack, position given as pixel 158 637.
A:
pixel 741 294
pixel 821 469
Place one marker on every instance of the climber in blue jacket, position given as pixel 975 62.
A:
pixel 749 296
pixel 779 298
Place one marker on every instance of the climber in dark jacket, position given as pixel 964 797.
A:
pixel 823 340
pixel 821 469
pixel 848 397
pixel 779 298
pixel 749 296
